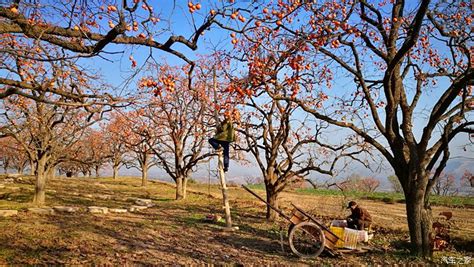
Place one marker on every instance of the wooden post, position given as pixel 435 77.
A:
pixel 220 164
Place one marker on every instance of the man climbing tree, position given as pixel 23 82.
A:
pixel 225 135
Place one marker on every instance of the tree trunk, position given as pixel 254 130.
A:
pixel 179 188
pixel 185 186
pixel 97 171
pixel 419 220
pixel 21 168
pixel 144 167
pixel 144 176
pixel 115 175
pixel 32 167
pixel 272 199
pixel 51 173
pixel 269 179
pixel 39 197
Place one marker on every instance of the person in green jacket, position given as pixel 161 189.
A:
pixel 225 135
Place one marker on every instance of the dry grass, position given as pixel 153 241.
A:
pixel 175 232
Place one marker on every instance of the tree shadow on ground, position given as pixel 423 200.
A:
pixel 125 234
pixel 463 244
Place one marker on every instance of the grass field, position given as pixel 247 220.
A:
pixel 388 197
pixel 175 232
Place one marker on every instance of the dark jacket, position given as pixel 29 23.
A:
pixel 360 214
pixel 225 132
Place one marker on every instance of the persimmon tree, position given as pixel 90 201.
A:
pixel 384 60
pixel 69 168
pixel 179 118
pixel 360 184
pixel 12 155
pixel 395 183
pixel 93 150
pixel 45 132
pixel 445 185
pixel 137 142
pixel 113 132
pixel 286 143
pixel 287 146
pixel 44 129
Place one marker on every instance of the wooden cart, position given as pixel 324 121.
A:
pixel 306 235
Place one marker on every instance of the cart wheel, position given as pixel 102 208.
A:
pixel 306 240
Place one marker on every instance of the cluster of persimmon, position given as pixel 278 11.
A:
pixel 147 82
pixel 134 62
pixel 276 14
pixel 259 67
pixel 232 113
pixel 295 88
pixel 295 63
pixel 164 82
pixel 234 38
pixel 236 15
pixel 193 7
pixel 234 88
pixel 168 82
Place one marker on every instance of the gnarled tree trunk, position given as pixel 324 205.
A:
pixel 40 186
pixel 179 187
pixel 32 167
pixel 145 166
pixel 115 175
pixel 51 173
pixel 5 168
pixel 144 176
pixel 185 187
pixel 270 179
pixel 419 215
pixel 272 199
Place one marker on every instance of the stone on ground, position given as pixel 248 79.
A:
pixel 137 208
pixel 144 202
pixel 104 197
pixel 43 211
pixel 8 213
pixel 66 209
pixel 118 210
pixel 98 210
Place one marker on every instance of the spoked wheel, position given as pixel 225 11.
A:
pixel 306 240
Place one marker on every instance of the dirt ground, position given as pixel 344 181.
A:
pixel 175 232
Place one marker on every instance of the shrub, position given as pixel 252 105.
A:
pixel 389 200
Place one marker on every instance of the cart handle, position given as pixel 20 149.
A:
pixel 268 204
